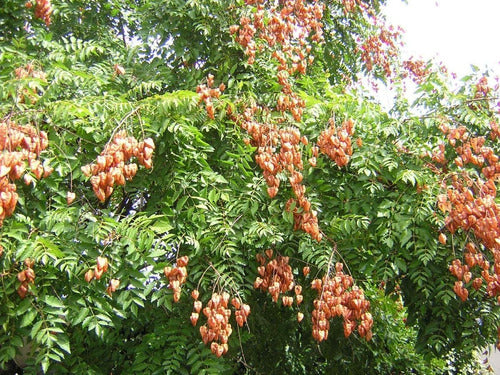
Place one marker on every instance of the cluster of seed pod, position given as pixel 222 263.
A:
pixel 470 200
pixel 303 217
pixel 272 161
pixel 475 260
pixel 289 100
pixel 278 150
pixel 495 130
pixel 469 150
pixel 246 37
pixel 417 69
pixel 284 29
pixel 217 329
pixel 473 209
pixel 19 145
pixel 29 93
pixel 111 166
pixel 379 50
pixel 336 142
pixel 453 136
pixel 462 273
pixel 287 28
pixel 26 277
pixel 338 297
pixel 286 33
pixel 470 205
pixel 8 198
pixel 276 277
pixel 206 93
pixel 43 10
pixel 242 310
pixel 177 276
pixel 482 88
pixel 351 6
pixel 100 268
pixel 291 103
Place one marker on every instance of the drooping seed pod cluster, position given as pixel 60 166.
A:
pixel 304 220
pixel 284 32
pixel 462 273
pixel 242 310
pixel 470 151
pixel 480 215
pixel 482 89
pixel 276 277
pixel 287 33
pixel 29 93
pixel 43 10
pixel 100 268
pixel 380 49
pixel 288 28
pixel 113 166
pixel 289 100
pixel 177 276
pixel 472 207
pixel 20 147
pixel 206 93
pixel 279 151
pixel 217 329
pixel 337 296
pixel 470 204
pixel 416 69
pixel 495 130
pixel 336 142
pixel 26 277
pixel 351 6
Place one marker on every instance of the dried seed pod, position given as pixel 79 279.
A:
pixel 178 276
pixel 89 275
pixel 119 70
pixel 98 273
pixel 306 270
pixel 300 316
pixel 102 263
pixel 194 318
pixel 113 166
pixel 195 293
pixel 197 306
pixel 70 197
pixel 183 261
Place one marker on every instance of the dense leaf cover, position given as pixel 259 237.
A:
pixel 206 187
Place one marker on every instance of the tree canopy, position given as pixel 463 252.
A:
pixel 213 187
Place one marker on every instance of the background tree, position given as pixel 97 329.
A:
pixel 203 151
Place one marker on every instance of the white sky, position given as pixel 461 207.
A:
pixel 457 32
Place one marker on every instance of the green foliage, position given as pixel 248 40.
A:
pixel 205 197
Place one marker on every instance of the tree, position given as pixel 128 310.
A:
pixel 204 187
